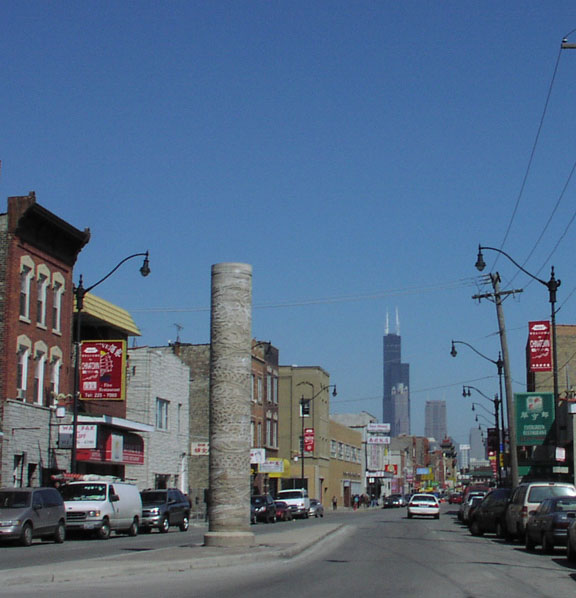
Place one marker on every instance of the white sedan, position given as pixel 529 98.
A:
pixel 424 505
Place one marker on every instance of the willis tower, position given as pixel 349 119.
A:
pixel 396 400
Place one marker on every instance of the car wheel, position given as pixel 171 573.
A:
pixel 409 515
pixel 104 532
pixel 475 528
pixel 133 529
pixel 185 524
pixel 570 552
pixel 26 536
pixel 528 542
pixel 164 525
pixel 60 533
pixel 547 546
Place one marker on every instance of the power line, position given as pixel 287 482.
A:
pixel 460 283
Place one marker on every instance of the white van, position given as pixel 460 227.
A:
pixel 102 505
pixel 297 500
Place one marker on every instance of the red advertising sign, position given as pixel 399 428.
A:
pixel 539 346
pixel 103 370
pixel 309 440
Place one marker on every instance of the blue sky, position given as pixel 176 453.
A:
pixel 354 153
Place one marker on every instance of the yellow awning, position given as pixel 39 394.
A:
pixel 110 314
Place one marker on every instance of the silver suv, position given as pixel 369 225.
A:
pixel 27 513
pixel 526 498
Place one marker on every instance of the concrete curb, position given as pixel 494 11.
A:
pixel 280 546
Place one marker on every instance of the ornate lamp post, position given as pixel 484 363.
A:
pixel 305 406
pixel 79 294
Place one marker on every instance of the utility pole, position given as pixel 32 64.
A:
pixel 496 297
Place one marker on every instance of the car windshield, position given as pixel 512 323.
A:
pixel 258 500
pixel 84 492
pixel 291 495
pixel 14 500
pixel 153 498
pixel 421 498
pixel 540 493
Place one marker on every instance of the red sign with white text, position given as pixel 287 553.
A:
pixel 103 370
pixel 309 440
pixel 539 346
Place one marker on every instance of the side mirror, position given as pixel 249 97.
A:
pixel 37 506
pixel 114 498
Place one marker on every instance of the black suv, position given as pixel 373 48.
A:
pixel 163 508
pixel 490 515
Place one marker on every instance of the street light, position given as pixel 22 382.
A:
pixel 496 402
pixel 499 363
pixel 79 293
pixel 304 401
pixel 552 286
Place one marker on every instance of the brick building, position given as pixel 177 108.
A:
pixel 38 251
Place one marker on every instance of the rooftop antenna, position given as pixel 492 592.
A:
pixel 397 322
pixel 179 327
pixel 387 328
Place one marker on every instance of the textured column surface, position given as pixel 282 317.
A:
pixel 230 376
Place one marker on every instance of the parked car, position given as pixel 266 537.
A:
pixel 297 500
pixel 571 538
pixel 465 504
pixel 423 505
pixel 526 498
pixel 265 507
pixel 316 508
pixel 455 498
pixel 27 513
pixel 394 501
pixel 548 525
pixel 283 511
pixel 470 507
pixel 164 508
pixel 100 505
pixel 489 515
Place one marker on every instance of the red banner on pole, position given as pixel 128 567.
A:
pixel 539 346
pixel 309 440
pixel 103 370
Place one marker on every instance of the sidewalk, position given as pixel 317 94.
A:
pixel 282 544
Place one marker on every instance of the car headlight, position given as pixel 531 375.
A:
pixel 93 513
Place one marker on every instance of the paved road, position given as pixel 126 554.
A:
pixel 379 552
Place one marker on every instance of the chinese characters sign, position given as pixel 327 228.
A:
pixel 309 440
pixel 103 370
pixel 539 346
pixel 534 416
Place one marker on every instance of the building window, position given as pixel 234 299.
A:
pixel 259 439
pixel 252 388
pixel 253 432
pixel 55 379
pixel 269 389
pixel 57 291
pixel 162 414
pixel 42 286
pixel 40 359
pixel 259 389
pixel 25 278
pixel 22 371
pixel 275 389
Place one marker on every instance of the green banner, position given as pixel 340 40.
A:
pixel 534 416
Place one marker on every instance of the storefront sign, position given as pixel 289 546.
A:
pixel 539 345
pixel 378 440
pixel 378 428
pixel 103 370
pixel 534 416
pixel 199 449
pixel 86 435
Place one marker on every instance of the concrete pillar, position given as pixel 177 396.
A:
pixel 230 379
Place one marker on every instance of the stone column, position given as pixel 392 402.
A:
pixel 230 378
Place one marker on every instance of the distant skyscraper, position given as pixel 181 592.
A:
pixel 435 422
pixel 396 400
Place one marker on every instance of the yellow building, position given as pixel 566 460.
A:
pixel 304 427
pixel 345 469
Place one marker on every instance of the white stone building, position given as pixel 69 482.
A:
pixel 158 386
